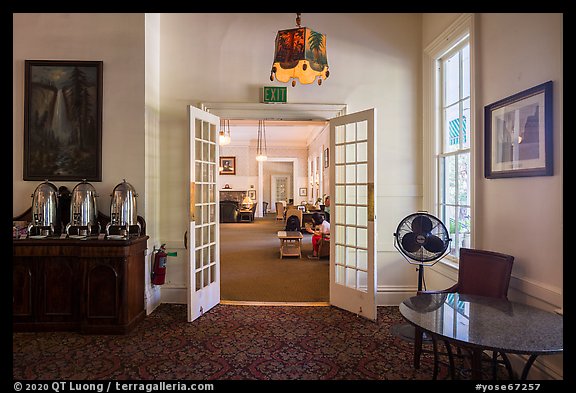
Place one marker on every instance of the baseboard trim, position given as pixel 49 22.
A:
pixel 173 295
pixel 393 295
pixel 385 296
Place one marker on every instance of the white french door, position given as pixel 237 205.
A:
pixel 352 214
pixel 279 188
pixel 204 230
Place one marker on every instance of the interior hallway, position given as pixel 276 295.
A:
pixel 251 268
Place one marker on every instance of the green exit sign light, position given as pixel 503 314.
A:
pixel 273 94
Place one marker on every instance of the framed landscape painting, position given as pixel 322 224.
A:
pixel 63 120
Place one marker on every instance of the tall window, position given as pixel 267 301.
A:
pixel 454 134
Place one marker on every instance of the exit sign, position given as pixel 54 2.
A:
pixel 273 94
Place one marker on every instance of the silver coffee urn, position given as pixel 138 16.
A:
pixel 123 211
pixel 83 210
pixel 44 210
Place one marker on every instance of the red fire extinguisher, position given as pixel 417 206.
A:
pixel 159 269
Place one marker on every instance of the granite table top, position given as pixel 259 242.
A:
pixel 487 323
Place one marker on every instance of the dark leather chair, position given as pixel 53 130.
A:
pixel 228 211
pixel 480 273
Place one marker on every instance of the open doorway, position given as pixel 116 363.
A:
pixel 246 233
pixel 251 267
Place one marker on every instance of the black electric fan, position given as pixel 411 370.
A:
pixel 423 240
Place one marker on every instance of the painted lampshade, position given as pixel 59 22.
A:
pixel 300 54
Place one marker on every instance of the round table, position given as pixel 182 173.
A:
pixel 480 323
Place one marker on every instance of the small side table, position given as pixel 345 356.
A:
pixel 245 215
pixel 290 242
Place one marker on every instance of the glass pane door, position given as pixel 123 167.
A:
pixel 204 257
pixel 352 257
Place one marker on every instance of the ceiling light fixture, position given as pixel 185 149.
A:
pixel 300 54
pixel 224 135
pixel 261 147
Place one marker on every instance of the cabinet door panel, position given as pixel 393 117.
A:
pixel 59 290
pixel 103 280
pixel 22 285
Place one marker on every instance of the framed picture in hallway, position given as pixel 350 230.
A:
pixel 302 191
pixel 227 165
pixel 62 120
pixel 518 134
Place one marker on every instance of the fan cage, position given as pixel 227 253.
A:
pixel 422 256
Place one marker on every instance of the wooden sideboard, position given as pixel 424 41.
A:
pixel 91 286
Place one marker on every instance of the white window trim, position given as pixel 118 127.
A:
pixel 451 37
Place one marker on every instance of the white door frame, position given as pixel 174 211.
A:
pixel 288 111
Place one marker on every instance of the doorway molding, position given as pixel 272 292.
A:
pixel 260 111
pixel 287 112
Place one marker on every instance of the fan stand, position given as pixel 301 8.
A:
pixel 407 331
pixel 418 239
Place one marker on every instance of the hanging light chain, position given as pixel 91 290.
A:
pixel 259 145
pixel 227 131
pixel 264 135
pixel 261 148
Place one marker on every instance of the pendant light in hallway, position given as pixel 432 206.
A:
pixel 224 135
pixel 261 151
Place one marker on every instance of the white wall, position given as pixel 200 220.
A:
pixel 374 62
pixel 246 168
pixel 316 150
pixel 152 148
pixel 117 40
pixel 518 216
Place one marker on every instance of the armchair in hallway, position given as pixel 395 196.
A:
pixel 229 211
pixel 279 211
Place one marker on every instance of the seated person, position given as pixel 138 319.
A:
pixel 322 228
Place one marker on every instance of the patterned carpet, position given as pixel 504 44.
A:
pixel 228 343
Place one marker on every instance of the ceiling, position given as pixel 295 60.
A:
pixel 278 132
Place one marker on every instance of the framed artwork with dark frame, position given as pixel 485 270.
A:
pixel 303 191
pixel 518 134
pixel 62 120
pixel 252 194
pixel 326 158
pixel 227 165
